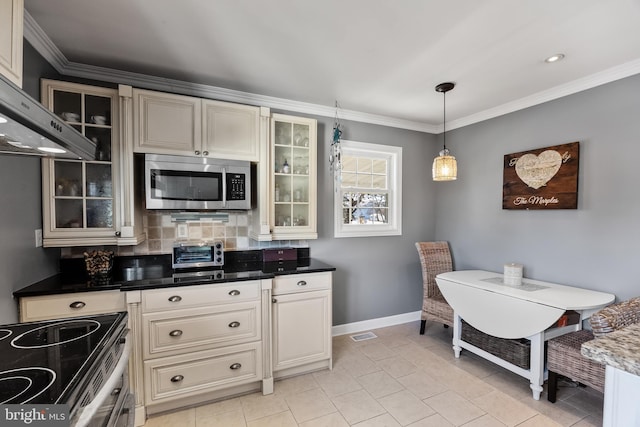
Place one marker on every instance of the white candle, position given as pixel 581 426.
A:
pixel 513 274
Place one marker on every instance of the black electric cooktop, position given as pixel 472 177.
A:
pixel 51 362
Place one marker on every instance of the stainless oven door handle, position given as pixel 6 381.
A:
pixel 90 410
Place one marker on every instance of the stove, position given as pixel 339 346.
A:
pixel 58 361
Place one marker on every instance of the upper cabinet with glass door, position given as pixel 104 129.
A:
pixel 78 196
pixel 293 189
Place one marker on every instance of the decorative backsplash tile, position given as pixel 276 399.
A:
pixel 161 235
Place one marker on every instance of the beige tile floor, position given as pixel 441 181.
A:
pixel 400 378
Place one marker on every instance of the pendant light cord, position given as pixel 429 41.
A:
pixel 444 121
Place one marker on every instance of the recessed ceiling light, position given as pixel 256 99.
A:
pixel 51 150
pixel 3 120
pixel 554 58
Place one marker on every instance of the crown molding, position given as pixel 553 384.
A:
pixel 607 76
pixel 43 44
pixel 45 47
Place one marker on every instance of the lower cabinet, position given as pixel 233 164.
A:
pixel 199 343
pixel 301 323
pixel 193 344
pixel 59 306
pixel 192 374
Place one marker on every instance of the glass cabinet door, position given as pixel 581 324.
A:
pixel 81 193
pixel 83 197
pixel 293 192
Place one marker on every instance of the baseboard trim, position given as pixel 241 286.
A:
pixel 380 322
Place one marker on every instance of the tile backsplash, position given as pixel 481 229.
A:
pixel 162 234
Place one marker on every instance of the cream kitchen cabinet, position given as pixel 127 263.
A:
pixel 230 131
pixel 199 343
pixel 165 123
pixel 293 178
pixel 91 202
pixel 301 323
pixel 59 306
pixel 11 24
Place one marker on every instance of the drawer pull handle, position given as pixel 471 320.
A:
pixel 77 304
pixel 234 324
pixel 175 298
pixel 175 333
pixel 235 366
pixel 177 378
pixel 302 283
pixel 234 293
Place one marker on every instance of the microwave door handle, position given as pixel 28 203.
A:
pixel 224 187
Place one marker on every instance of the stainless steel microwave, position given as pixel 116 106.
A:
pixel 196 183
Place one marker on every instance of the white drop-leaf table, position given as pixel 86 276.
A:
pixel 509 311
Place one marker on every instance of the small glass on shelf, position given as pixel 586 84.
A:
pixel 294 187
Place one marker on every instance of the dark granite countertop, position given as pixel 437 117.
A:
pixel 150 272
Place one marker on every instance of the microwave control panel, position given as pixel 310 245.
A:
pixel 236 186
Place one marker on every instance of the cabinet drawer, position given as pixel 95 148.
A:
pixel 301 283
pixel 200 295
pixel 196 373
pixel 70 305
pixel 172 332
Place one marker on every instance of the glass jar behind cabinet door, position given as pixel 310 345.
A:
pixel 79 196
pixel 293 183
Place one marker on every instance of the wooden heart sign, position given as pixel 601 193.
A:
pixel 546 178
pixel 536 171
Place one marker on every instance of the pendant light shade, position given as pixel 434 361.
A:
pixel 445 167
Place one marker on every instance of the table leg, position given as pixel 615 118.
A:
pixel 537 364
pixel 457 333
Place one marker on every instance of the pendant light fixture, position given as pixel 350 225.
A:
pixel 445 167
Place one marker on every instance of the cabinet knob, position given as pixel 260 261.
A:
pixel 302 283
pixel 235 366
pixel 234 324
pixel 234 293
pixel 175 333
pixel 205 153
pixel 116 391
pixel 77 304
pixel 273 300
pixel 177 378
pixel 197 153
pixel 175 298
pixel 118 234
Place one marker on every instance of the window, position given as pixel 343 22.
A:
pixel 368 197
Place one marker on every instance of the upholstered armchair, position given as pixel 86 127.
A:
pixel 435 258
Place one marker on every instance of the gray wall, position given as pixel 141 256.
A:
pixel 21 263
pixel 596 246
pixel 377 276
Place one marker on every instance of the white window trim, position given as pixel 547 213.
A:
pixel 394 227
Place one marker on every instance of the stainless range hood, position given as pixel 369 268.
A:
pixel 27 127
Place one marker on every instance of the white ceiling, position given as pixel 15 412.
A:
pixel 378 57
